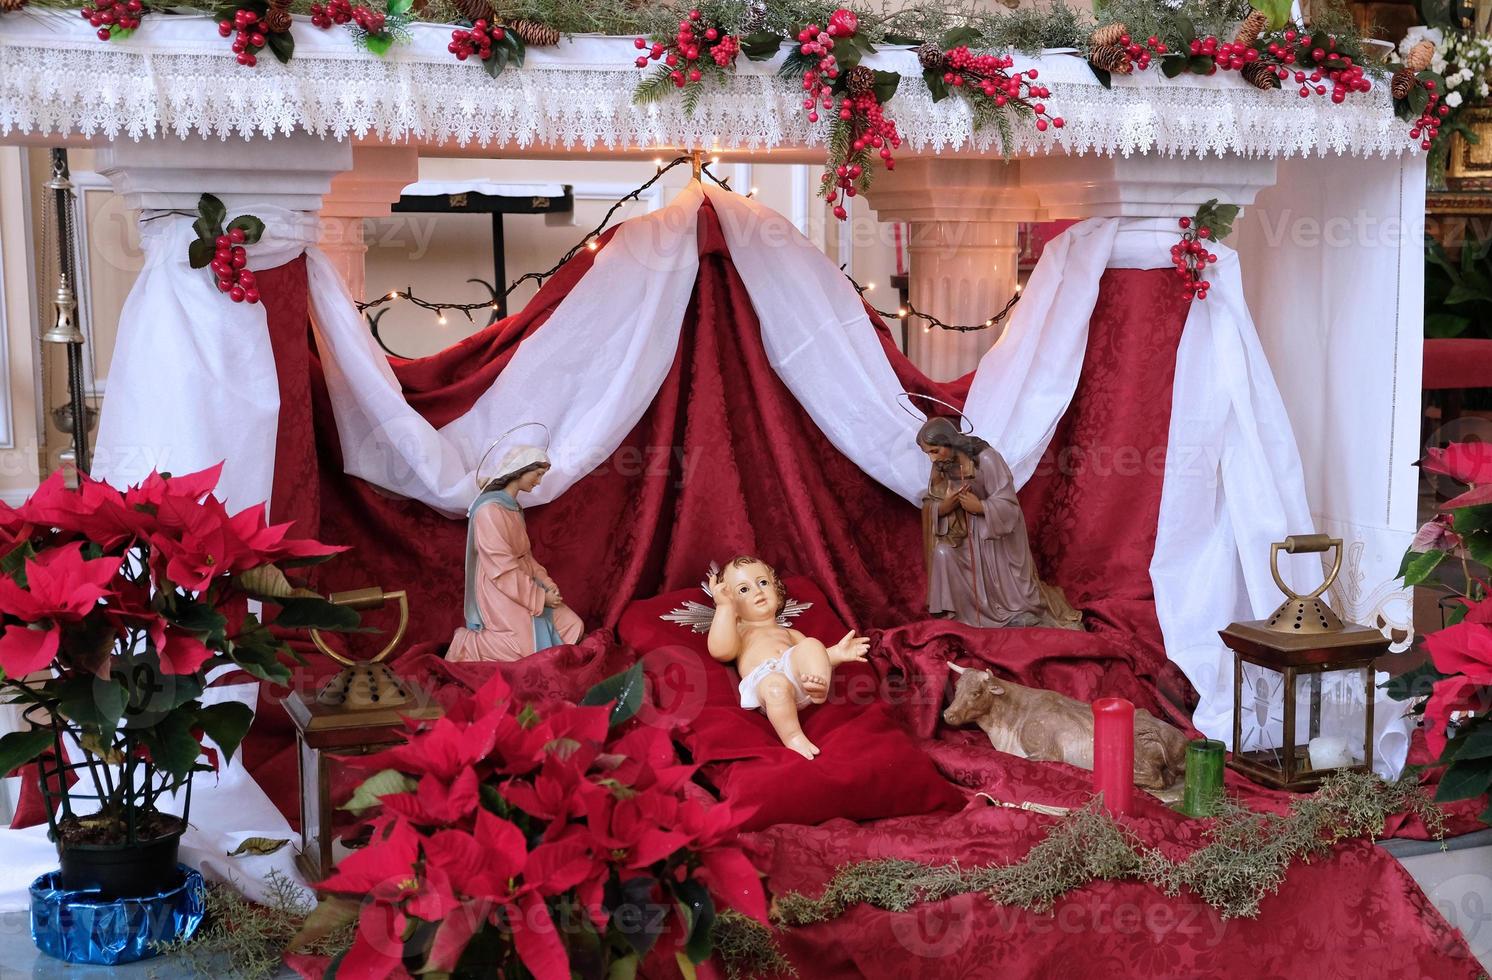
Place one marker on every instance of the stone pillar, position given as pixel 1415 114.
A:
pixel 962 217
pixel 377 177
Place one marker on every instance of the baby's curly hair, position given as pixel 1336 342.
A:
pixel 741 561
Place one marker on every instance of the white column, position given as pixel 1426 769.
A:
pixel 378 175
pixel 962 220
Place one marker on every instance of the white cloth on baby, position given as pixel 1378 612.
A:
pixel 780 665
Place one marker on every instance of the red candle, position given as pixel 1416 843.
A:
pixel 1114 753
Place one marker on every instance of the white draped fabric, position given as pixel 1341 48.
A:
pixel 1233 481
pixel 195 371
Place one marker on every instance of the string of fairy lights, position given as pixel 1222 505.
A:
pixel 906 313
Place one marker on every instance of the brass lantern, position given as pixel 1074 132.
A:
pixel 360 710
pixel 1274 714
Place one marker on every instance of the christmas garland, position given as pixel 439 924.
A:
pixel 1245 858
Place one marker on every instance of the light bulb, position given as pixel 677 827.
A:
pixel 441 318
pixel 902 312
pixel 869 286
pixel 394 294
pixel 591 245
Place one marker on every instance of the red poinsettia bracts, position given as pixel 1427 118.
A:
pixel 546 827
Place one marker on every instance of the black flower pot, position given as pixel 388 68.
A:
pixel 122 870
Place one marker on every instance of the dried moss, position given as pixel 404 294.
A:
pixel 244 940
pixel 1245 857
pixel 748 948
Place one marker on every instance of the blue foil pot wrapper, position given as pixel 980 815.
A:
pixel 79 927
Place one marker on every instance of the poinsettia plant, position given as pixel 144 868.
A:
pixel 1453 690
pixel 114 604
pixel 513 841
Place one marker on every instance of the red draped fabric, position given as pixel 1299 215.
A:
pixel 724 461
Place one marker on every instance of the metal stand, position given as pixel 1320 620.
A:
pixel 64 329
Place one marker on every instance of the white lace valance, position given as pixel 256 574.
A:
pixel 176 76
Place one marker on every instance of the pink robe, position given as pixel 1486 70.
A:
pixel 507 593
pixel 988 578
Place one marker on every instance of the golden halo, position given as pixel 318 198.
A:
pixel 904 399
pixel 477 473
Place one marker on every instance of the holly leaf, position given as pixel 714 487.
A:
pixel 200 252
pixel 1105 77
pixel 936 85
pixel 624 692
pixel 905 40
pixel 1172 65
pixel 282 45
pixel 863 43
pixel 379 44
pixel 1464 780
pixel 400 7
pixel 19 748
pixel 498 61
pixel 1278 11
pixel 761 46
pixel 848 57
pixel 252 228
pixel 885 85
pixel 226 724
pixel 1200 64
pixel 211 211
pixel 518 50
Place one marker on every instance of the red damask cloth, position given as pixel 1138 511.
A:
pixel 726 461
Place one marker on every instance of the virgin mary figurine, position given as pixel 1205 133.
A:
pixel 979 565
pixel 513 607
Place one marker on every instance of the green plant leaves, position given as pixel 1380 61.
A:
pixel 509 50
pixel 212 213
pixel 173 747
pixel 19 748
pixel 1217 218
pixel 314 612
pixel 200 253
pixel 625 693
pixel 885 85
pixel 373 789
pixel 699 917
pixel 1418 565
pixel 1278 11
pixel 935 84
pixel 959 37
pixel 226 724
pixel 1464 780
pixel 1413 683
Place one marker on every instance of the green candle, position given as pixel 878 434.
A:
pixel 1204 776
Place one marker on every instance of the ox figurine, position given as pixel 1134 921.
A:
pixel 1049 727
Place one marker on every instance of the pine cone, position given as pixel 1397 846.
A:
pixel 277 17
pixel 1253 25
pixel 860 80
pixel 475 10
pixel 1403 83
pixel 931 56
pixel 1420 56
pixel 1111 58
pixel 1260 75
pixel 1107 35
pixel 533 33
pixel 11 6
pixel 755 20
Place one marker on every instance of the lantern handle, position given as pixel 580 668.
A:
pixel 369 598
pixel 1297 544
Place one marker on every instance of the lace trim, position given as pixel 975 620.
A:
pixel 181 79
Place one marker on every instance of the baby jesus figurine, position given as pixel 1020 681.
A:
pixel 782 671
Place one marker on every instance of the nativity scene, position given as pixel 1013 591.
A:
pixel 1042 536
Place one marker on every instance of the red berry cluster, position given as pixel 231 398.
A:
pixel 476 41
pixel 870 130
pixel 335 12
pixel 1190 257
pixel 370 20
pixel 1141 54
pixel 1325 63
pixel 691 44
pixel 990 74
pixel 111 15
pixel 818 42
pixel 1427 126
pixel 249 38
pixel 228 264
